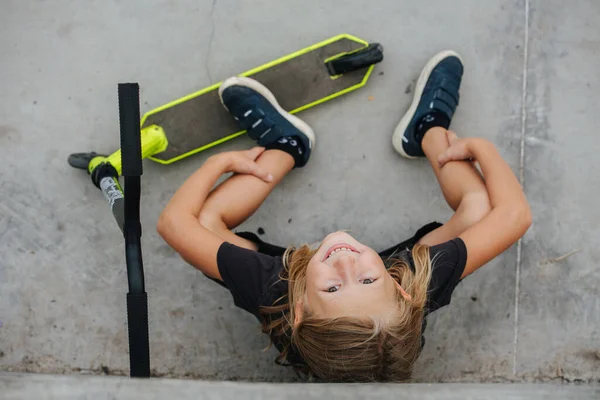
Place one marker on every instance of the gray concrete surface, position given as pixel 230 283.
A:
pixel 36 386
pixel 531 85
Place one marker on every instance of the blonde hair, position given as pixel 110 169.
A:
pixel 351 349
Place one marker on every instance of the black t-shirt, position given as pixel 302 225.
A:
pixel 252 277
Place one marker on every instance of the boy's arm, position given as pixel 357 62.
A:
pixel 510 216
pixel 179 223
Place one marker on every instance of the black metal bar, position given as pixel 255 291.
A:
pixel 132 232
pixel 137 299
pixel 129 118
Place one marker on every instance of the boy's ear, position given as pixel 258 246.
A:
pixel 298 311
pixel 403 292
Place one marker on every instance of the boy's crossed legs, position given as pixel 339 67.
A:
pixel 422 131
pixel 236 199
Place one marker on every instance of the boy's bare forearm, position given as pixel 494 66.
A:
pixel 234 200
pixel 510 216
pixel 503 187
pixel 191 196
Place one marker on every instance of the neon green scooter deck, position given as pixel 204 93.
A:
pixel 299 80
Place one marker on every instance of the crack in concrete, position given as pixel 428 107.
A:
pixel 210 40
pixel 521 180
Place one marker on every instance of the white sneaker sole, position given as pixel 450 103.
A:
pixel 260 88
pixel 398 137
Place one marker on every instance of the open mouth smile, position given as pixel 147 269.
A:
pixel 336 248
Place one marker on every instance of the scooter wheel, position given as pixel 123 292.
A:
pixel 82 160
pixel 372 54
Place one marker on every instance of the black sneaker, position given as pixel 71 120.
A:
pixel 256 110
pixel 436 91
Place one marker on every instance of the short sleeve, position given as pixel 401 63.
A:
pixel 247 274
pixel 448 264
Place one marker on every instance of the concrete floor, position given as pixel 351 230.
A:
pixel 15 386
pixel 530 86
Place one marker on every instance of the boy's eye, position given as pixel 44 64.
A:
pixel 333 289
pixel 368 281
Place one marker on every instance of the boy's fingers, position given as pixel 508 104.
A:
pixel 254 152
pixel 449 137
pixel 451 154
pixel 452 137
pixel 443 159
pixel 260 173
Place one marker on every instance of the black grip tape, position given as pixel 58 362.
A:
pixel 137 324
pixel 129 120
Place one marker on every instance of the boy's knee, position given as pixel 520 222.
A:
pixel 474 206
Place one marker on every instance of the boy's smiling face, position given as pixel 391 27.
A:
pixel 345 278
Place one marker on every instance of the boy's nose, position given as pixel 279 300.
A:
pixel 345 264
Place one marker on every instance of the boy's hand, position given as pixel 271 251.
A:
pixel 458 151
pixel 244 162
